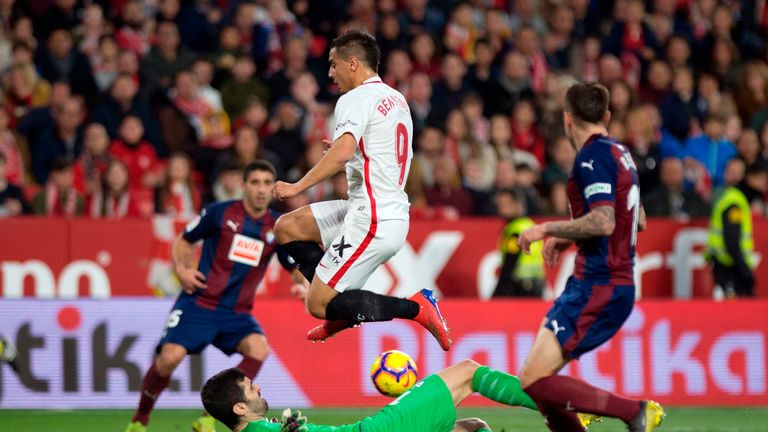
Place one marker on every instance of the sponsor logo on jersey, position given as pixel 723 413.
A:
pixel 246 250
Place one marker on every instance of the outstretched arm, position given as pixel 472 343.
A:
pixel 471 425
pixel 599 221
pixel 341 151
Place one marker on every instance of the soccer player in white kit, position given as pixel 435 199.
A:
pixel 372 140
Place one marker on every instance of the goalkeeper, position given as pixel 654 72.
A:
pixel 233 399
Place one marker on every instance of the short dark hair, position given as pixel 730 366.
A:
pixel 221 392
pixel 587 101
pixel 359 44
pixel 61 163
pixel 259 165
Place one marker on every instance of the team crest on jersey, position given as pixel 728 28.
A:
pixel 269 237
pixel 246 250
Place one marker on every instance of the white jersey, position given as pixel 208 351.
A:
pixel 379 119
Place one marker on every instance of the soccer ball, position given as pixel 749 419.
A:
pixel 393 372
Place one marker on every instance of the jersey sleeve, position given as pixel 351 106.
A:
pixel 351 118
pixel 596 177
pixel 201 226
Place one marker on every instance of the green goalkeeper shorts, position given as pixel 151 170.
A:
pixel 427 407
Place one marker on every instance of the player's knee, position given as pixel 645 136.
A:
pixel 168 359
pixel 316 308
pixel 528 377
pixel 470 364
pixel 283 229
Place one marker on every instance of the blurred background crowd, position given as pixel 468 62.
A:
pixel 128 108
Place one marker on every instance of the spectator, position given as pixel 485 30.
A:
pixel 168 57
pixel 481 76
pixel 585 63
pixel 144 169
pixel 65 139
pixel 198 22
pixel 304 91
pixel 15 153
pixel 461 32
pixel 514 82
pixel 725 61
pixel 228 49
pixel 255 116
pixel 447 193
pixel 752 93
pixel 41 119
pixel 748 147
pixel 526 176
pixel 286 141
pixel 62 14
pixel 104 62
pixel 670 198
pixel 389 35
pixel 711 150
pixel 92 30
pixel 419 98
pixel 424 52
pixel 236 91
pixel 228 184
pixel 632 41
pixel 59 197
pixel 678 52
pixel 677 108
pixel 449 90
pixel 398 70
pixel 520 274
pixel 710 100
pixel 12 201
pixel 204 70
pixel 642 144
pixel 659 82
pixel 430 147
pixel 89 168
pixel 178 196
pixel 295 52
pixel 247 148
pixel 526 13
pixel 528 44
pixel 123 100
pixel 418 16
pixel 561 157
pixel 60 60
pixel 557 42
pixel 25 91
pixel 609 70
pixel 113 199
pixel 525 134
pixel 622 100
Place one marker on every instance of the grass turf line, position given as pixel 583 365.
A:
pixel 500 419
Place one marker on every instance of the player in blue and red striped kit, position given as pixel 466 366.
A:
pixel 604 195
pixel 215 304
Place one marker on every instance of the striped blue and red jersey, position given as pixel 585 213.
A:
pixel 604 174
pixel 236 252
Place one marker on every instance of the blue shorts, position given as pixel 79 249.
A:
pixel 195 327
pixel 589 313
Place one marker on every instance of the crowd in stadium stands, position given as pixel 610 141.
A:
pixel 120 108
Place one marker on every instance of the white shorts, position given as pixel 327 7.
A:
pixel 353 249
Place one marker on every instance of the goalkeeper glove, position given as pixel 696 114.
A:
pixel 293 421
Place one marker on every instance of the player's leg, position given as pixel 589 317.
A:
pixel 303 231
pixel 599 318
pixel 468 376
pixel 157 379
pixel 255 350
pixel 473 424
pixel 356 252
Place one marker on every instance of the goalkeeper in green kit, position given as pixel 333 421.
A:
pixel 429 406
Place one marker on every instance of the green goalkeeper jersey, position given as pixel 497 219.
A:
pixel 428 406
pixel 266 426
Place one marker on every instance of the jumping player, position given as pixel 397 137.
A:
pixel 215 304
pixel 430 405
pixel 604 196
pixel 373 140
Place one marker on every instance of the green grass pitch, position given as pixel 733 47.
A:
pixel 500 419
